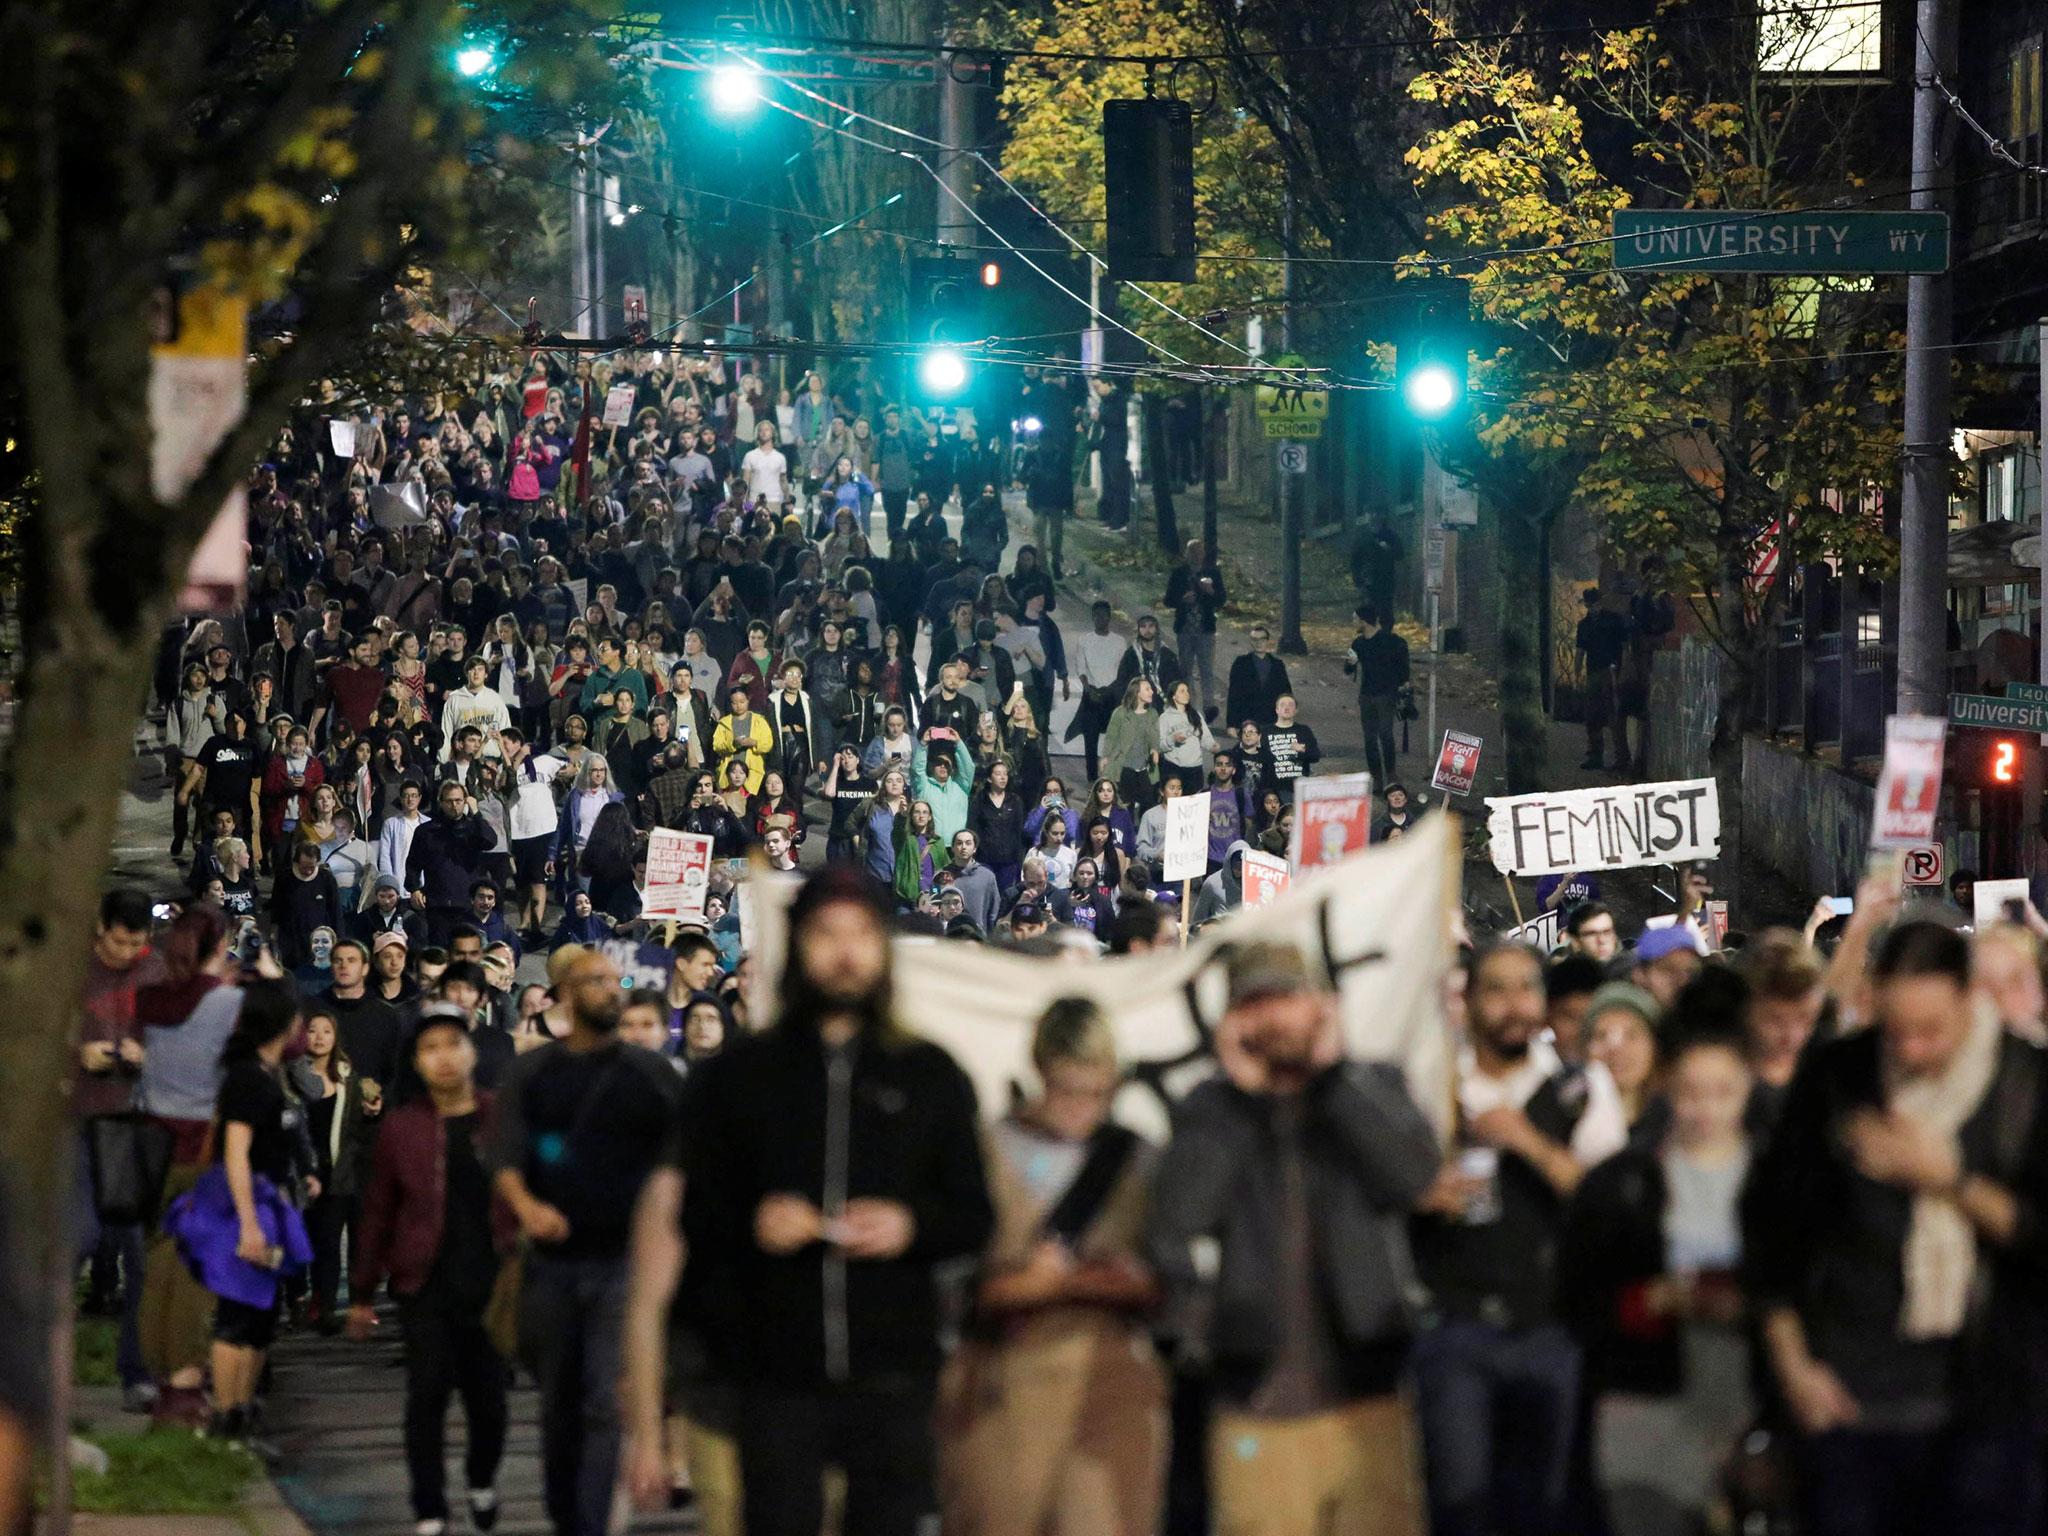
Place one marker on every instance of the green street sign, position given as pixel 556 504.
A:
pixel 1995 714
pixel 2033 693
pixel 1734 240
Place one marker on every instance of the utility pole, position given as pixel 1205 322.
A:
pixel 586 254
pixel 1923 515
pixel 955 168
pixel 1287 487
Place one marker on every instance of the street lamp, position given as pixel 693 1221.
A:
pixel 475 59
pixel 735 89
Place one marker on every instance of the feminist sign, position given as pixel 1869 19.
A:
pixel 1611 828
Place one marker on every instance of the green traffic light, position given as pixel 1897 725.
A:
pixel 942 371
pixel 1432 391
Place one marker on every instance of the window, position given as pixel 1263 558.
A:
pixel 2022 128
pixel 1820 37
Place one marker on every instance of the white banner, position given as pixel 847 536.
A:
pixel 1568 831
pixel 1187 839
pixel 1376 925
pixel 1541 931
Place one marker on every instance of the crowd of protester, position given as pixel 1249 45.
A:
pixel 1740 1233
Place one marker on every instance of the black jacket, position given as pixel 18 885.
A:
pixel 1824 1240
pixel 1255 683
pixel 756 1123
pixel 1369 1154
pixel 446 859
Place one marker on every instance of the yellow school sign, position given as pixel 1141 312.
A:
pixel 1290 410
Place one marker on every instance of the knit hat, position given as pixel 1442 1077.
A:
pixel 1626 995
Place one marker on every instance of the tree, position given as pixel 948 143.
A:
pixel 314 158
pixel 1696 415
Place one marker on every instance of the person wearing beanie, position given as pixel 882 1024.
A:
pixel 1621 1027
pixel 833 1161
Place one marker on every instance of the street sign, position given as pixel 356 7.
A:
pixel 1457 763
pixel 1868 240
pixel 2033 693
pixel 1994 714
pixel 1433 560
pixel 1909 788
pixel 1293 458
pixel 1292 410
pixel 1923 866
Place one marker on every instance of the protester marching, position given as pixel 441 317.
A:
pixel 666 921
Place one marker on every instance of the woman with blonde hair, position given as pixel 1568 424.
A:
pixel 1053 1412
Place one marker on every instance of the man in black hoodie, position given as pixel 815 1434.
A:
pixel 832 1161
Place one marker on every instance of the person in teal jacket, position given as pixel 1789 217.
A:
pixel 946 779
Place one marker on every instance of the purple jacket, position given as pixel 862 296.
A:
pixel 203 1223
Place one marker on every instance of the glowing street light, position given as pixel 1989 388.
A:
pixel 735 89
pixel 942 371
pixel 475 59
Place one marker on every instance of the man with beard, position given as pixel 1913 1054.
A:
pixel 1497 1376
pixel 581 1124
pixel 832 1162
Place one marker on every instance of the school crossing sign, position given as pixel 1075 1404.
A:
pixel 1291 409
pixel 1816 240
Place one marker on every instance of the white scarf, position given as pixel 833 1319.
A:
pixel 1940 1257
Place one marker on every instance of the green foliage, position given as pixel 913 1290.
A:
pixel 1688 411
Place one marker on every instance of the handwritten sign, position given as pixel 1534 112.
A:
pixel 1613 827
pixel 1187 838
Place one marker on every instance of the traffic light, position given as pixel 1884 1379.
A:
pixel 949 314
pixel 1148 179
pixel 476 57
pixel 1430 354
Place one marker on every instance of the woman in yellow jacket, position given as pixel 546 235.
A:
pixel 743 735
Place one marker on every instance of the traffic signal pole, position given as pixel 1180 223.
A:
pixel 1923 515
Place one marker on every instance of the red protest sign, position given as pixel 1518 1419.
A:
pixel 1332 819
pixel 1909 789
pixel 1457 763
pixel 1265 879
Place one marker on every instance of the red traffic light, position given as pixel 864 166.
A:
pixel 991 274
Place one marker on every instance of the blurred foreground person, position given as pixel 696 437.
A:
pixel 831 1162
pixel 1279 1226
pixel 1892 1241
pixel 1054 1414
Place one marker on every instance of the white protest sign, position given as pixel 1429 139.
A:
pixel 1264 878
pixel 1375 926
pixel 1991 897
pixel 1541 931
pixel 678 874
pixel 579 591
pixel 618 405
pixel 1187 838
pixel 342 435
pixel 1909 788
pixel 197 392
pixel 1614 827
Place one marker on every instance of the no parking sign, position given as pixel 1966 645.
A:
pixel 1924 866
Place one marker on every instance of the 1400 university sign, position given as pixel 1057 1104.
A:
pixel 1569 830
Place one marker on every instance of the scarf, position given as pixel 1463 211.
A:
pixel 1940 1256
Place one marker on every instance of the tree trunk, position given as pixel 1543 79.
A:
pixel 1521 686
pixel 1167 517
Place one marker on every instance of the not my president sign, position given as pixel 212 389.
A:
pixel 1569 830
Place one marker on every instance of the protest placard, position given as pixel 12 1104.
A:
pixel 1614 827
pixel 1332 819
pixel 678 875
pixel 1909 788
pixel 1265 878
pixel 1187 838
pixel 341 436
pixel 1998 900
pixel 1541 931
pixel 1457 763
pixel 618 406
